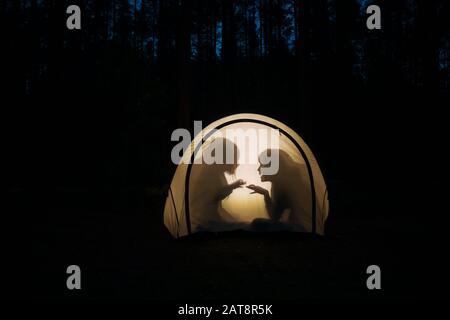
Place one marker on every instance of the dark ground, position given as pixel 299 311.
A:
pixel 127 253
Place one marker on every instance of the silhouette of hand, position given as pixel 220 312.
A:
pixel 238 184
pixel 257 189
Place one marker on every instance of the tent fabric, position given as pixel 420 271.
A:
pixel 185 211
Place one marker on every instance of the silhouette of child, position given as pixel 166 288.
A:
pixel 286 194
pixel 209 187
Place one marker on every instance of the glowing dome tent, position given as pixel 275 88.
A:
pixel 180 215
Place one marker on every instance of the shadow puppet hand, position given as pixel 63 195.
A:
pixel 258 189
pixel 238 184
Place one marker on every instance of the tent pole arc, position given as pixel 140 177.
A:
pixel 300 149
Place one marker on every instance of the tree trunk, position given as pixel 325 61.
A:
pixel 184 50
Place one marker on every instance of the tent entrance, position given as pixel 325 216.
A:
pixel 249 209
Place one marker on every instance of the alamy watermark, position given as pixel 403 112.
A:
pixel 247 142
pixel 74 279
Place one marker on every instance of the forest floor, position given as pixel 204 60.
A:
pixel 131 255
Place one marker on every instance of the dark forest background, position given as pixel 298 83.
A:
pixel 89 112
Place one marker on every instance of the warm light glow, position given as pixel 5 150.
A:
pixel 241 204
pixel 251 139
